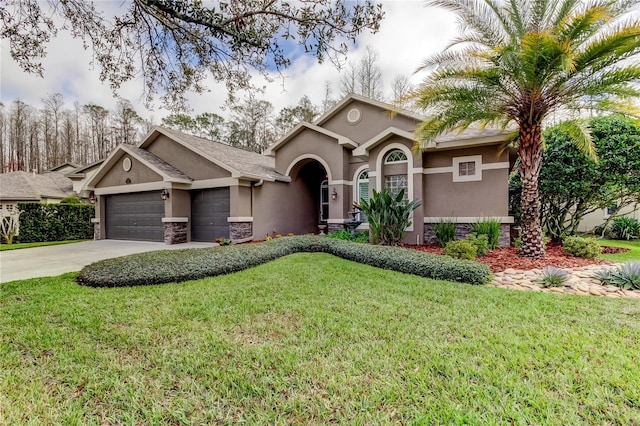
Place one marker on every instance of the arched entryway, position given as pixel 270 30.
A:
pixel 309 190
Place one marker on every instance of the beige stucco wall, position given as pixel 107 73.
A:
pixel 240 200
pixel 490 154
pixel 139 173
pixel 590 221
pixel 373 120
pixel 185 160
pixel 280 208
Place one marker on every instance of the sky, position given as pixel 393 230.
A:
pixel 409 33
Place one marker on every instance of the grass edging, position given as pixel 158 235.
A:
pixel 20 246
pixel 192 264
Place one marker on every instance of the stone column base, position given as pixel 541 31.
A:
pixel 240 230
pixel 333 227
pixel 175 232
pixel 96 231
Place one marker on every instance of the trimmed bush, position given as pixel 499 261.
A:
pixel 192 264
pixel 71 200
pixel 461 249
pixel 445 231
pixel 490 227
pixel 480 242
pixel 582 247
pixel 55 222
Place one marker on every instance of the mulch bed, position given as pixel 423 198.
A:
pixel 505 258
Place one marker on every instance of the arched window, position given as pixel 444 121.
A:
pixel 395 156
pixel 362 187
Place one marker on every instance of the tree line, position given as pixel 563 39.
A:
pixel 33 138
pixel 39 138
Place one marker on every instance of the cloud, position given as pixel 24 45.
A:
pixel 409 33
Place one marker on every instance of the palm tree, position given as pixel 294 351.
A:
pixel 518 62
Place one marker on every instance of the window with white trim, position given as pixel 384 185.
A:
pixel 396 183
pixel 395 156
pixel 9 207
pixel 362 186
pixel 467 168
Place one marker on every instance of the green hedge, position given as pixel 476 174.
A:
pixel 55 222
pixel 191 264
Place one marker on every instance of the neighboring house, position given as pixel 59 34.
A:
pixel 80 176
pixel 49 187
pixel 597 218
pixel 174 187
pixel 63 168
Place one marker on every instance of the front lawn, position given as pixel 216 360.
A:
pixel 311 338
pixel 18 246
pixel 632 254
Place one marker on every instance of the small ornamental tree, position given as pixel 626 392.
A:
pixel 9 224
pixel 388 216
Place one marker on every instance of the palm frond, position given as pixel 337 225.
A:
pixel 579 132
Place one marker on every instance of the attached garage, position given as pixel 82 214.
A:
pixel 135 216
pixel 209 212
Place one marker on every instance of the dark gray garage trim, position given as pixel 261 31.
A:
pixel 135 216
pixel 209 213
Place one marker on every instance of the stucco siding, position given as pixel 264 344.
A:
pixel 190 163
pixel 590 221
pixel 139 173
pixel 444 158
pixel 445 198
pixel 311 144
pixel 372 121
pixel 280 208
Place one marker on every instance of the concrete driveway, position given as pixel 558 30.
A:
pixel 55 260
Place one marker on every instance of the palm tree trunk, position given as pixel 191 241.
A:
pixel 530 152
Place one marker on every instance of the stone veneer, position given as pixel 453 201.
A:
pixel 175 232
pixel 96 230
pixel 464 229
pixel 240 230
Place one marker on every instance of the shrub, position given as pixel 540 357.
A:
pixel 223 241
pixel 388 216
pixel 192 264
pixel 582 246
pixel 461 249
pixel 55 222
pixel 445 231
pixel 626 276
pixel 71 200
pixel 490 227
pixel 553 277
pixel 343 234
pixel 480 242
pixel 625 228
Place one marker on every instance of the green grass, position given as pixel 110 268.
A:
pixel 632 254
pixel 313 339
pixel 19 246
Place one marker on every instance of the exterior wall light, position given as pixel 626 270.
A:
pixel 164 194
pixel 93 199
pixel 334 194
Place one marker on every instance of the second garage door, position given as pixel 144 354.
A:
pixel 209 213
pixel 135 216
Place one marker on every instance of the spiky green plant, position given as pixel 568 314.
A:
pixel 445 230
pixel 517 63
pixel 553 277
pixel 388 215
pixel 490 227
pixel 626 276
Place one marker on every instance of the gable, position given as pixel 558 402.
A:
pixel 185 160
pixel 360 120
pixel 117 175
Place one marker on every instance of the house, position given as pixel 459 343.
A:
pixel 48 187
pixel 80 176
pixel 63 168
pixel 175 187
pixel 600 216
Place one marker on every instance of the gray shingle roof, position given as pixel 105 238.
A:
pixel 158 163
pixel 247 163
pixel 26 186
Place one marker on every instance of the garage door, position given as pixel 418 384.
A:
pixel 135 216
pixel 209 213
